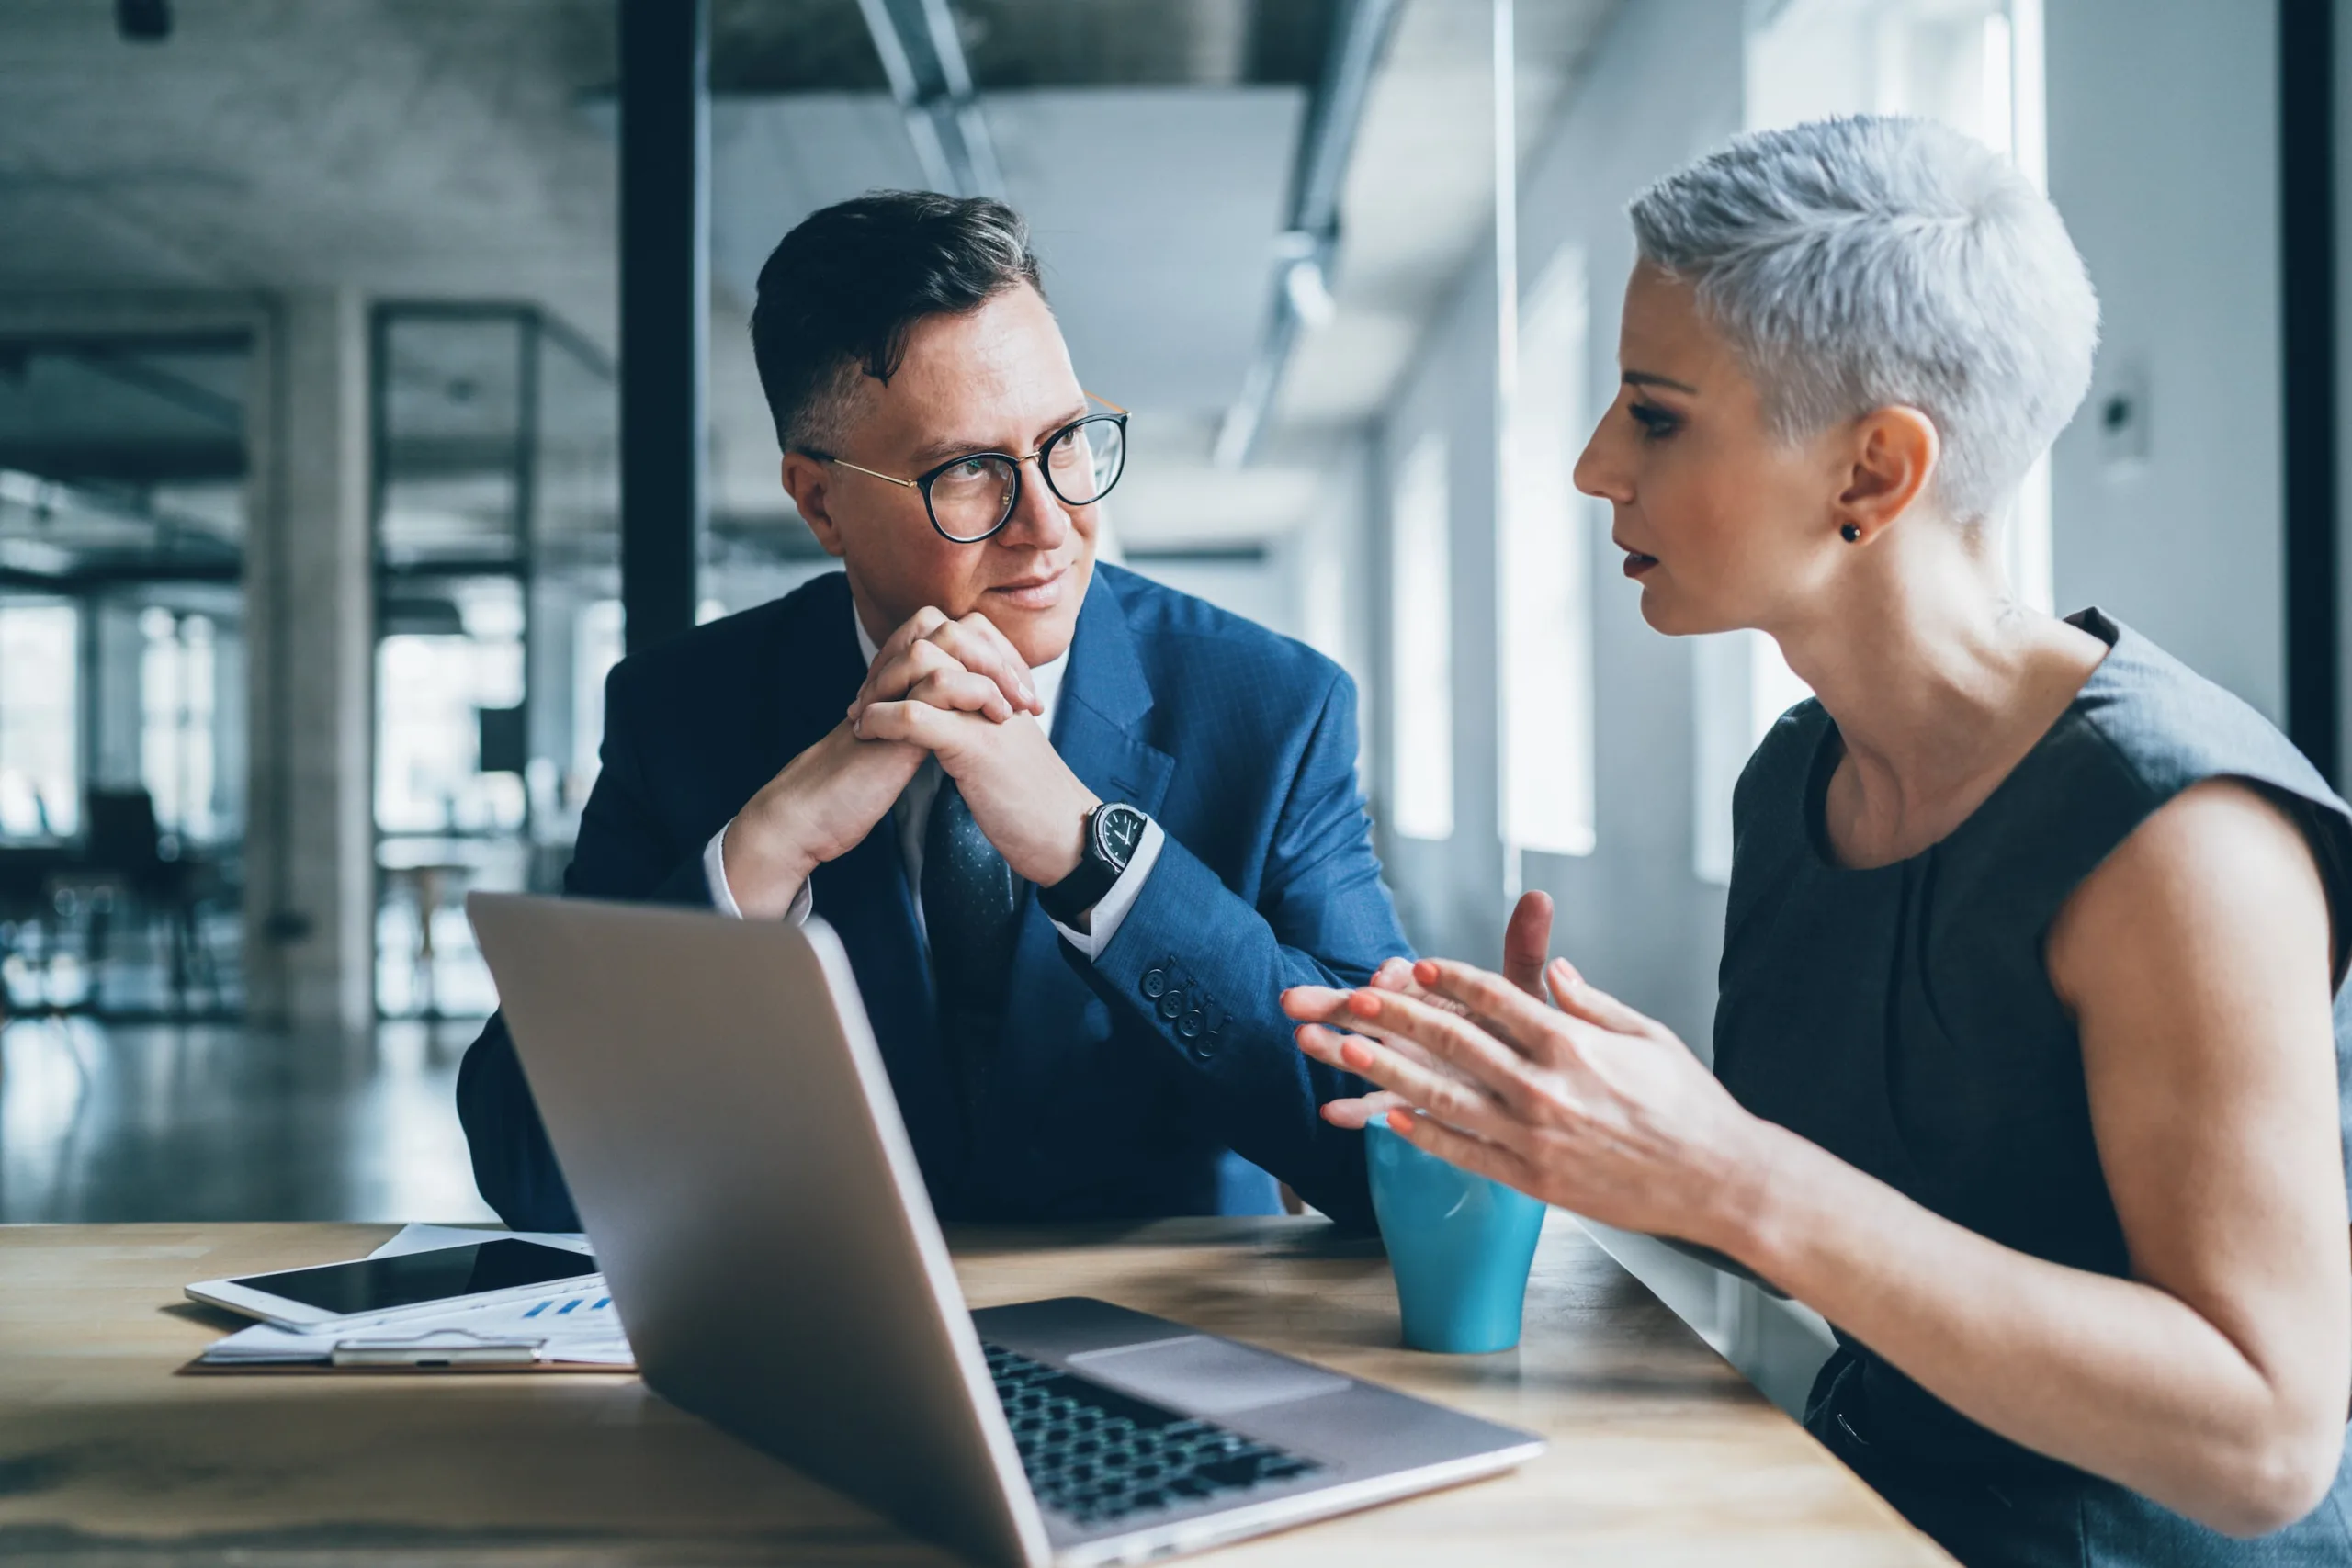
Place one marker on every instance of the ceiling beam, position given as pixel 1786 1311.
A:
pixel 923 58
pixel 1302 295
pixel 125 369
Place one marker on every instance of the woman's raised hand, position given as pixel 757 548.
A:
pixel 1525 940
pixel 1590 1106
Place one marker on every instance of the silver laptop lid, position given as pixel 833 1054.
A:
pixel 700 1078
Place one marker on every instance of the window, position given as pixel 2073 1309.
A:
pixel 1546 594
pixel 431 689
pixel 1975 65
pixel 596 647
pixel 177 695
pixel 1421 641
pixel 1742 685
pixel 40 786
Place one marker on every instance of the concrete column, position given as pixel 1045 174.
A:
pixel 310 609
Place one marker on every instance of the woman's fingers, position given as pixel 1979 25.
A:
pixel 1322 1004
pixel 1323 1044
pixel 1396 975
pixel 1313 1004
pixel 1479 1156
pixel 1347 1052
pixel 1321 1041
pixel 1357 1113
pixel 1443 1095
pixel 1526 940
pixel 1499 1004
pixel 1581 998
pixel 1454 1040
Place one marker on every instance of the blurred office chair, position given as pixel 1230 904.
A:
pixel 125 855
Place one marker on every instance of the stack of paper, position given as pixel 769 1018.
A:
pixel 576 1325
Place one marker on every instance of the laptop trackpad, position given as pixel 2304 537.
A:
pixel 1205 1377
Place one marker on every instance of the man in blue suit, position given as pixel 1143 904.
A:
pixel 1076 831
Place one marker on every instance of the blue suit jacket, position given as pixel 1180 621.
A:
pixel 1120 1082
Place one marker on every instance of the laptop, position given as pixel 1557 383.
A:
pixel 721 1113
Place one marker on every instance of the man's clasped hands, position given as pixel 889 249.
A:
pixel 956 690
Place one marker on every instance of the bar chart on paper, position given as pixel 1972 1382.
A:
pixel 581 1327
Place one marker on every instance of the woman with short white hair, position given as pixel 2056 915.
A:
pixel 2027 1072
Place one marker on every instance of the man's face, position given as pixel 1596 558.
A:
pixel 997 378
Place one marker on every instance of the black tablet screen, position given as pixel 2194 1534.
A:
pixel 380 1284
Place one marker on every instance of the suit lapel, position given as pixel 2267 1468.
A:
pixel 1098 723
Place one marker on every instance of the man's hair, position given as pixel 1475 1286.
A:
pixel 1864 262
pixel 840 293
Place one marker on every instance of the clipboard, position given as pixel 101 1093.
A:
pixel 434 1350
pixel 199 1367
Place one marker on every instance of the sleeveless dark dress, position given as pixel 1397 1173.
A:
pixel 1902 1018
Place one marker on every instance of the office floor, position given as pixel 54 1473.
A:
pixel 217 1121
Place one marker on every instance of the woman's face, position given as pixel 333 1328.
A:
pixel 1723 524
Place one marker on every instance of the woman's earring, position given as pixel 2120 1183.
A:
pixel 1851 533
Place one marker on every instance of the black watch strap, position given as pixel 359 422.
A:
pixel 1112 831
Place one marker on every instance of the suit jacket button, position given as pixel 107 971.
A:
pixel 1155 981
pixel 1191 1024
pixel 1170 1004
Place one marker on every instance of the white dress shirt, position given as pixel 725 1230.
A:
pixel 911 815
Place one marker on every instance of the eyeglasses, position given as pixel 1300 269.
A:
pixel 971 497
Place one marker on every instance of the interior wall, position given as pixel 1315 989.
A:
pixel 1450 893
pixel 2167 499
pixel 1670 86
pixel 1666 83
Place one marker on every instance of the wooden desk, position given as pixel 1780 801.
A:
pixel 1661 1452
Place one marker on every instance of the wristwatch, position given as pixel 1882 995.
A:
pixel 1114 831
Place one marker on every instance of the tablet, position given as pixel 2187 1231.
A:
pixel 369 1288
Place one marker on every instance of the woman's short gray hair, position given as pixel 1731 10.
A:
pixel 1864 262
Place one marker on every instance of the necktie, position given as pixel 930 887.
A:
pixel 969 905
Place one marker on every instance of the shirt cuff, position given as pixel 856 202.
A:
pixel 722 898
pixel 1113 908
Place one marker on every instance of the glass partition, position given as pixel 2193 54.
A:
pixel 123 738
pixel 497 542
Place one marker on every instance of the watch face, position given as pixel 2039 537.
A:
pixel 1118 831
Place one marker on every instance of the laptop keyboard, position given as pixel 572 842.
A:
pixel 1099 1455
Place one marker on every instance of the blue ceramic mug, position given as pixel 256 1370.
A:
pixel 1459 1245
